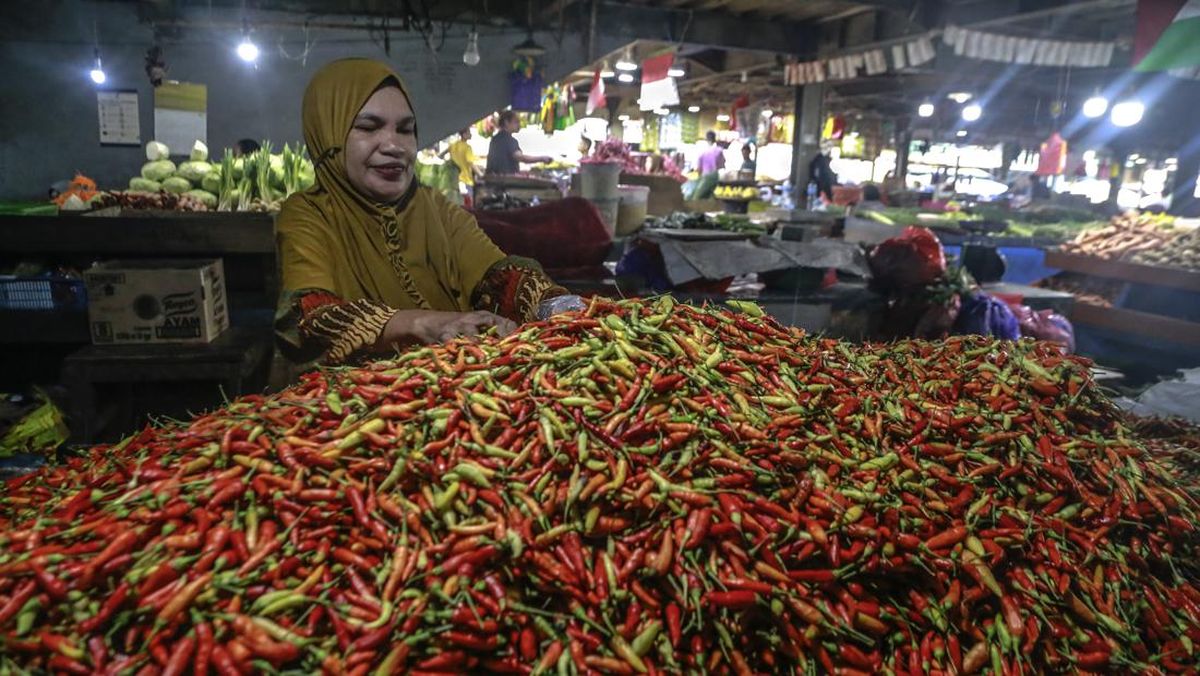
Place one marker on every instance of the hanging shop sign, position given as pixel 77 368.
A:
pixel 965 42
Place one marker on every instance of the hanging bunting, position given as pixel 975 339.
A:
pixel 985 46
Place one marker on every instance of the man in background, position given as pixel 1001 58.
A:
pixel 709 166
pixel 504 152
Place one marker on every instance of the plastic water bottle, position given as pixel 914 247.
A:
pixel 811 202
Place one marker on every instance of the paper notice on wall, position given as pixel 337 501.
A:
pixel 119 125
pixel 181 115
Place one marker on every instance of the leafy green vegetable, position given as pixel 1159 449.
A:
pixel 194 171
pixel 158 170
pixel 144 184
pixel 206 198
pixel 177 185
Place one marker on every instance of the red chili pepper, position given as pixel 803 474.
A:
pixel 181 654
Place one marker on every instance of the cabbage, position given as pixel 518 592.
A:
pixel 194 171
pixel 212 180
pixel 144 185
pixel 158 170
pixel 206 198
pixel 157 151
pixel 199 152
pixel 177 185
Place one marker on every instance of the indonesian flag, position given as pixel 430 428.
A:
pixel 596 98
pixel 658 89
pixel 1168 35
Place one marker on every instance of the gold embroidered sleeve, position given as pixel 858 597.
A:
pixel 513 288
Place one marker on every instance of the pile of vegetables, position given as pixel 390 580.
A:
pixel 1126 236
pixel 1055 223
pixel 256 182
pixel 614 150
pixel 687 220
pixel 643 487
pixel 1181 251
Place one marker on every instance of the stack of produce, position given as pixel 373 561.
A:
pixel 1126 236
pixel 1181 251
pixel 615 150
pixel 642 487
pixel 1086 289
pixel 687 220
pixel 256 182
pixel 733 192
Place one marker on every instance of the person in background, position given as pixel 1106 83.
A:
pixel 749 166
pixel 872 199
pixel 821 173
pixel 464 158
pixel 246 146
pixel 371 259
pixel 585 146
pixel 709 166
pixel 504 153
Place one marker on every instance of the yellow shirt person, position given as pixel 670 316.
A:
pixel 463 156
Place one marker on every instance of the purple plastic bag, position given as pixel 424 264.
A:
pixel 986 315
pixel 1046 325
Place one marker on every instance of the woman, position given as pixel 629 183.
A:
pixel 372 260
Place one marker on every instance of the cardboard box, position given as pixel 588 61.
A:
pixel 156 301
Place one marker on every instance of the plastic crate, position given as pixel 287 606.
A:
pixel 42 293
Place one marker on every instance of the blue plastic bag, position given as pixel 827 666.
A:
pixel 986 315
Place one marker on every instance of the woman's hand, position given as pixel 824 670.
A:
pixel 420 327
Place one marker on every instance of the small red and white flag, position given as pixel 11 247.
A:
pixel 658 88
pixel 596 98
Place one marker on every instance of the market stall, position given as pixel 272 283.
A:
pixel 507 402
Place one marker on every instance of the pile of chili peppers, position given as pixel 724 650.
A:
pixel 643 487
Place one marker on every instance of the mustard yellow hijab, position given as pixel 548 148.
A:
pixel 423 252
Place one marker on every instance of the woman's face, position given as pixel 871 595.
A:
pixel 382 146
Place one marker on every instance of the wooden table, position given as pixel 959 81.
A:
pixel 231 360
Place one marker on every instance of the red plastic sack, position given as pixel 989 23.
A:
pixel 568 233
pixel 912 260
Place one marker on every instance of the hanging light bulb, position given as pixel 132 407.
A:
pixel 1127 113
pixel 1095 106
pixel 626 61
pixel 606 72
pixel 767 113
pixel 972 112
pixel 97 73
pixel 624 77
pixel 693 109
pixel 925 109
pixel 471 53
pixel 246 50
pixel 675 71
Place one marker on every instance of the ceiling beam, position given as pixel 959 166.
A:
pixel 717 29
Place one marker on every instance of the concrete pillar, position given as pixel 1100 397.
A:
pixel 903 141
pixel 806 136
